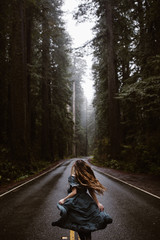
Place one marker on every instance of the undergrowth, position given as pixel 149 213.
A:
pixel 11 172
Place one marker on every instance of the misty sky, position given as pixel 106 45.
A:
pixel 80 34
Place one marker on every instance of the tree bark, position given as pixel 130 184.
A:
pixel 3 74
pixel 46 144
pixel 19 129
pixel 74 120
pixel 114 114
pixel 29 28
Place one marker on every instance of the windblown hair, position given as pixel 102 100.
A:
pixel 86 177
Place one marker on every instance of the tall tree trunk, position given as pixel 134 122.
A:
pixel 114 116
pixel 46 145
pixel 29 27
pixel 3 70
pixel 142 39
pixel 19 129
pixel 74 119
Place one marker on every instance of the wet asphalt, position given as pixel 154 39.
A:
pixel 27 212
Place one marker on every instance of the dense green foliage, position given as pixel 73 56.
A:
pixel 36 125
pixel 127 44
pixel 43 112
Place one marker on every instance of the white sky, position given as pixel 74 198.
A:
pixel 80 34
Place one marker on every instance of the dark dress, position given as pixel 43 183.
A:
pixel 80 213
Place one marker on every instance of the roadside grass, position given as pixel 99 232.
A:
pixel 10 173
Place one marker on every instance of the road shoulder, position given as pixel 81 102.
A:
pixel 144 182
pixel 148 183
pixel 7 187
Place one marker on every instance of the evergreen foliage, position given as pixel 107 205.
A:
pixel 35 122
pixel 136 54
pixel 36 86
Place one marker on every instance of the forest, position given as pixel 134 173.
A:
pixel 43 111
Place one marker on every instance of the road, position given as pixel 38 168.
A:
pixel 27 212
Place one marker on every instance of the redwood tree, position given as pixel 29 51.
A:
pixel 113 106
pixel 19 121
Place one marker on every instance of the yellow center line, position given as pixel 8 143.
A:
pixel 72 235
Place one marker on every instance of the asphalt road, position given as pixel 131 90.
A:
pixel 27 212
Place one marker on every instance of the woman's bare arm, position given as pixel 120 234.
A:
pixel 93 195
pixel 74 192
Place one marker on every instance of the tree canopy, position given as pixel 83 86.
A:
pixel 44 114
pixel 126 74
pixel 36 124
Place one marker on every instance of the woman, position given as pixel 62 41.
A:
pixel 80 211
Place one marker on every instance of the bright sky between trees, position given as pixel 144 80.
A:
pixel 80 34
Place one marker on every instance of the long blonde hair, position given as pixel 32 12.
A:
pixel 86 177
